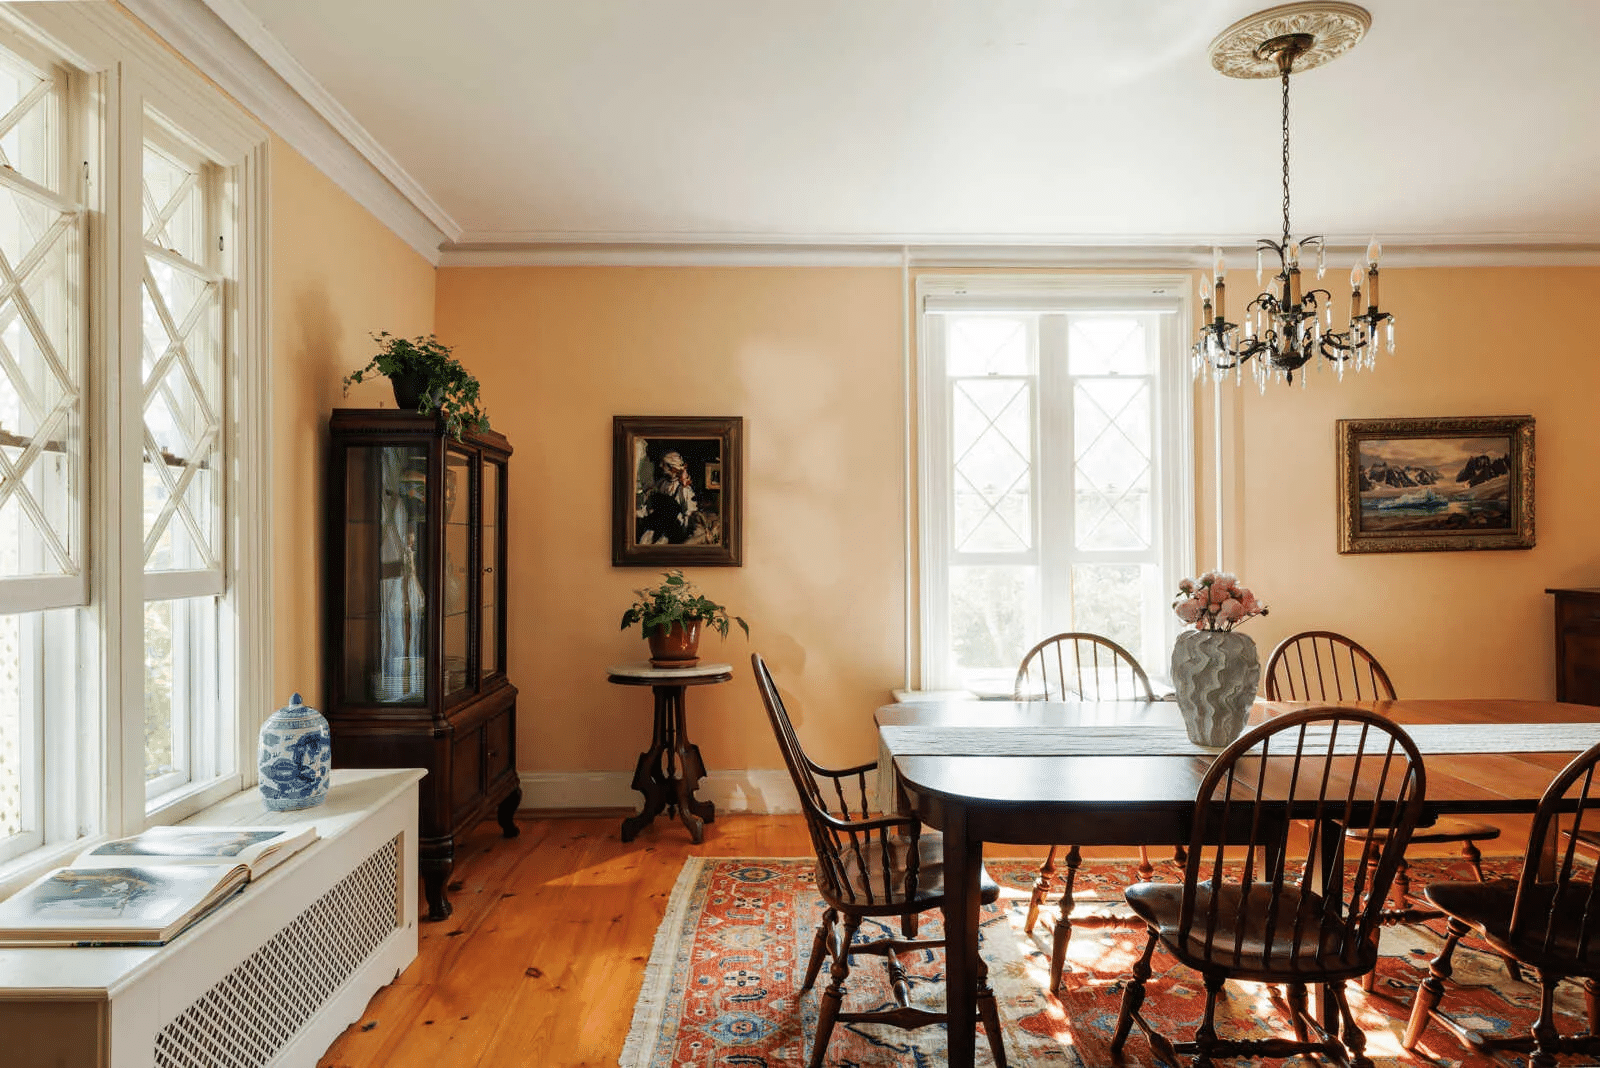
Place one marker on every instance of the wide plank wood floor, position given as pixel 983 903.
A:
pixel 542 960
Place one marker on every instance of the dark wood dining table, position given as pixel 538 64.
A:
pixel 1130 800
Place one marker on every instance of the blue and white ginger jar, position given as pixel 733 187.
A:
pixel 296 758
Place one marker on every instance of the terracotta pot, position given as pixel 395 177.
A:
pixel 1214 676
pixel 677 646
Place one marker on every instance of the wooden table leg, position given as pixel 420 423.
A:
pixel 690 769
pixel 963 862
pixel 648 777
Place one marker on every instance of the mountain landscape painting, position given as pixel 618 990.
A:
pixel 1417 485
pixel 1435 483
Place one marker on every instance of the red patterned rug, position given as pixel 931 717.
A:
pixel 721 988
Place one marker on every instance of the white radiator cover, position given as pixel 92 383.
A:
pixel 251 1014
pixel 272 977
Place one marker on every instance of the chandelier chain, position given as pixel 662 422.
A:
pixel 1286 158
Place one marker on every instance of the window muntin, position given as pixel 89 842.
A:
pixel 42 452
pixel 1047 458
pixel 184 365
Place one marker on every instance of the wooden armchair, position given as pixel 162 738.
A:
pixel 867 867
pixel 1283 907
pixel 1095 668
pixel 1320 665
pixel 1548 919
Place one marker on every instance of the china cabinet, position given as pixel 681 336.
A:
pixel 414 637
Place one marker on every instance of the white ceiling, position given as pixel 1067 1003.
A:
pixel 1455 122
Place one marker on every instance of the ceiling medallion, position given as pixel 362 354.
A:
pixel 1285 326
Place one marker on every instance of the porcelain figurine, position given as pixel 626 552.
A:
pixel 296 758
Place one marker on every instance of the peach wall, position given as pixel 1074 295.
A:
pixel 338 275
pixel 1473 341
pixel 811 358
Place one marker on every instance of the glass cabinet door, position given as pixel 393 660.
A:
pixel 493 573
pixel 459 468
pixel 386 574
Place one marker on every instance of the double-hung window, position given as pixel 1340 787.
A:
pixel 1054 455
pixel 134 642
pixel 44 592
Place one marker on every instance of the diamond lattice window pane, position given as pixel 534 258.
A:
pixel 992 423
pixel 182 360
pixel 986 345
pixel 25 104
pixel 1113 444
pixel 23 222
pixel 1106 346
pixel 174 206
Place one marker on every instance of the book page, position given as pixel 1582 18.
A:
pixel 132 903
pixel 259 847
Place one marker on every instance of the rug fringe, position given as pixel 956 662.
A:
pixel 652 1004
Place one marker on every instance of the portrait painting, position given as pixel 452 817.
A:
pixel 676 491
pixel 1428 485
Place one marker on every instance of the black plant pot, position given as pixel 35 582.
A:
pixel 408 388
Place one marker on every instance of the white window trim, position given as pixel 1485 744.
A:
pixel 1174 408
pixel 132 71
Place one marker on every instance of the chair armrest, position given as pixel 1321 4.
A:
pixel 840 773
pixel 910 823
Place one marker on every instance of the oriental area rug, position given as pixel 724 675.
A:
pixel 721 989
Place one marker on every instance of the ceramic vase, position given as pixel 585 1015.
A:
pixel 675 646
pixel 1215 673
pixel 296 758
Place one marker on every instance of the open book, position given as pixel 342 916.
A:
pixel 144 889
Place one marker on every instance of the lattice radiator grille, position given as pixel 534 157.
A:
pixel 254 1010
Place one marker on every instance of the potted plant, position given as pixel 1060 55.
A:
pixel 426 378
pixel 1215 669
pixel 672 614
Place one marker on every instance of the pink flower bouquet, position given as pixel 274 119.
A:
pixel 1216 601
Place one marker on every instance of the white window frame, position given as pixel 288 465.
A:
pixel 1165 296
pixel 127 73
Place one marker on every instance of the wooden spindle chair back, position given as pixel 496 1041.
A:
pixel 1078 664
pixel 1321 665
pixel 1557 909
pixel 1287 898
pixel 869 864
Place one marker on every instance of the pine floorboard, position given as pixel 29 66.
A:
pixel 543 957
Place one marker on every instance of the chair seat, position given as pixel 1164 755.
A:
pixel 1444 829
pixel 1316 958
pixel 1487 907
pixel 863 869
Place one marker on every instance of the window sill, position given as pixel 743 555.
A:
pixel 180 804
pixel 20 871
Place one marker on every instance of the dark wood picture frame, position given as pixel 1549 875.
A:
pixel 654 522
pixel 1435 484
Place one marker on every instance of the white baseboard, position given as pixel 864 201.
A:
pixel 758 790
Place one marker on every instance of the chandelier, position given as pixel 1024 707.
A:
pixel 1287 326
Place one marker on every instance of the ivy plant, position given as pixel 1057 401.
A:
pixel 447 387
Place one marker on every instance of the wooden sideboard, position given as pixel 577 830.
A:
pixel 1578 646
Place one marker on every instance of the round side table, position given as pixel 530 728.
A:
pixel 671 768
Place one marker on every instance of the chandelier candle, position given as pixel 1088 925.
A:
pixel 1287 326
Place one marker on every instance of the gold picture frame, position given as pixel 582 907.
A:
pixel 1435 484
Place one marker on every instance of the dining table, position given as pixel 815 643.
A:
pixel 1123 773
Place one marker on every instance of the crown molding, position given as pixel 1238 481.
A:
pixel 229 46
pixel 1105 254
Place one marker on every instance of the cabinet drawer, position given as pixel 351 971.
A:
pixel 499 753
pixel 466 769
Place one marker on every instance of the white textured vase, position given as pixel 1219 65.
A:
pixel 1214 673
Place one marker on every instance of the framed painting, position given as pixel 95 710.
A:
pixel 677 490
pixel 1431 485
